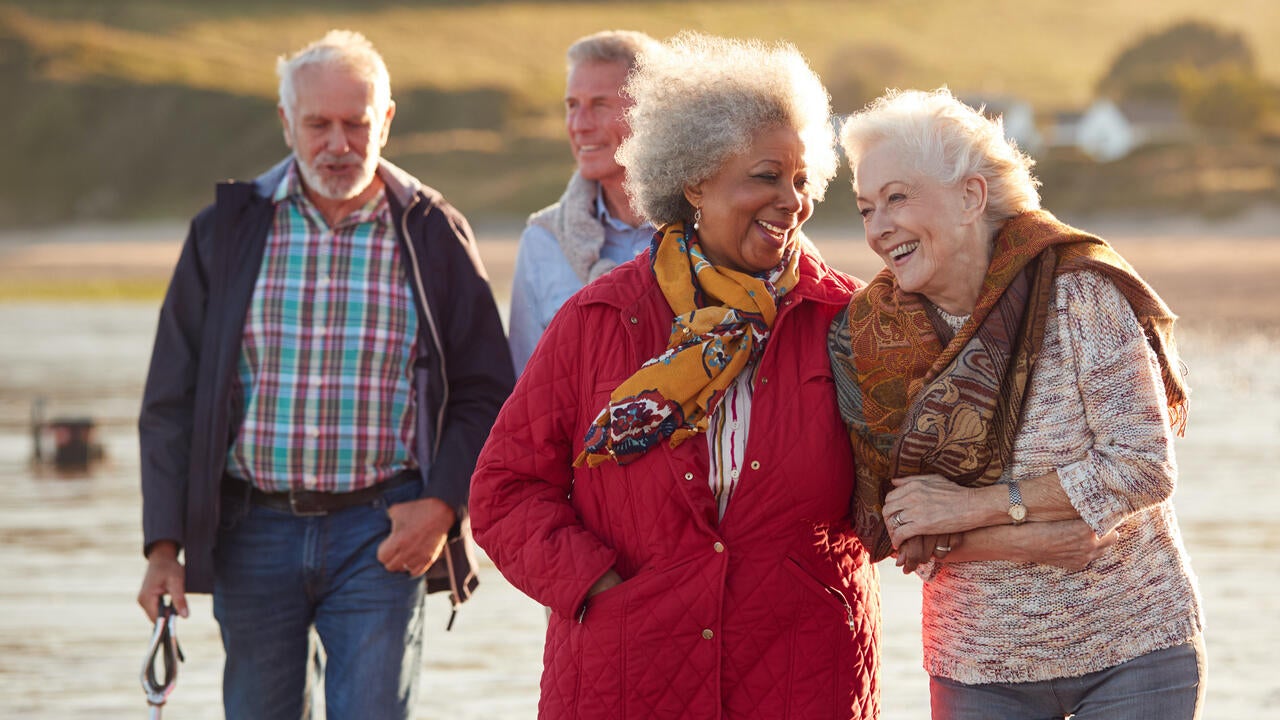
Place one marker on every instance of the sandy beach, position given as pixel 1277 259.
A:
pixel 73 639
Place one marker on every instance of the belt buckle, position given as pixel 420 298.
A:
pixel 298 505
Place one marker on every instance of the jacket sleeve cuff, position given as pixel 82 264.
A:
pixel 454 498
pixel 149 546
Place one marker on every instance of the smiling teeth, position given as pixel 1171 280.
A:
pixel 903 249
pixel 772 229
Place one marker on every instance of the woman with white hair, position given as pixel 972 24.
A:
pixel 1006 370
pixel 670 475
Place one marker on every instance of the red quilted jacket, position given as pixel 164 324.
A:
pixel 772 612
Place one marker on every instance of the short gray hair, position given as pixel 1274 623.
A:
pixel 609 46
pixel 700 99
pixel 344 48
pixel 948 140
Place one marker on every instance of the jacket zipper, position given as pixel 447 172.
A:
pixel 848 609
pixel 431 324
pixel 455 593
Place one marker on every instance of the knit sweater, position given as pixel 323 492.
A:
pixel 1096 413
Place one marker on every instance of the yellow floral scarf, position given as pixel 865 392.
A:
pixel 722 321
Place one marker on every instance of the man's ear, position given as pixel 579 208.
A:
pixel 284 125
pixel 386 123
pixel 974 188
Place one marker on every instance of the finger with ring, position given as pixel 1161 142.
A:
pixel 897 519
pixel 942 548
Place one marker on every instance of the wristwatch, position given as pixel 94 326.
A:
pixel 1017 510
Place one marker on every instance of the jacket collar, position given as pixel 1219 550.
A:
pixel 819 282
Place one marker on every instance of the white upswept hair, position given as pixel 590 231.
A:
pixel 942 137
pixel 343 48
pixel 700 99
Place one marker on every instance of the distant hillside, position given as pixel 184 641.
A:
pixel 132 108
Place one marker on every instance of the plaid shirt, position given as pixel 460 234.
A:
pixel 326 363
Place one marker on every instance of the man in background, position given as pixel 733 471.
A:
pixel 593 227
pixel 328 363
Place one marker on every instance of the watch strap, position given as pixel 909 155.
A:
pixel 1017 511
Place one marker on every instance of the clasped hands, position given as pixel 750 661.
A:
pixel 926 518
pixel 927 505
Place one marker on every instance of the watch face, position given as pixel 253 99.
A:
pixel 1018 513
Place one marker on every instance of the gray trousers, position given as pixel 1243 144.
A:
pixel 1162 685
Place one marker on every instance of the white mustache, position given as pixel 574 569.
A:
pixel 330 159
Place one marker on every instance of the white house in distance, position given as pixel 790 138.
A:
pixel 1108 131
pixel 1018 116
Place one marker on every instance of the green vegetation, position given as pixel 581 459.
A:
pixel 1209 71
pixel 81 290
pixel 132 108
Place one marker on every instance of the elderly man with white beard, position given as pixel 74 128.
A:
pixel 328 362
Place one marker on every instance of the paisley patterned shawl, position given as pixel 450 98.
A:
pixel 722 321
pixel 919 399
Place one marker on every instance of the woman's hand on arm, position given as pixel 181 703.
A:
pixel 933 505
pixel 1068 544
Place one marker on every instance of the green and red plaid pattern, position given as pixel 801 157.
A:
pixel 326 363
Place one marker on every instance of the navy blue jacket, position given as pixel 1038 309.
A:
pixel 189 412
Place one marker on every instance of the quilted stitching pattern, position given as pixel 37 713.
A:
pixel 757 630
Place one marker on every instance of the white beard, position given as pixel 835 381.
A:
pixel 338 188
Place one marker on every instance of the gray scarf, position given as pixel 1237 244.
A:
pixel 576 226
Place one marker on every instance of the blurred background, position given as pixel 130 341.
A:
pixel 129 108
pixel 1155 123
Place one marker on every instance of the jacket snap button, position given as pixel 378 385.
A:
pixel 635 320
pixel 755 464
pixel 688 476
pixel 707 634
pixel 719 547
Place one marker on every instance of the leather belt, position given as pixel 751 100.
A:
pixel 310 502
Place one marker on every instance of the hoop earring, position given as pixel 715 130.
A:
pixel 697 217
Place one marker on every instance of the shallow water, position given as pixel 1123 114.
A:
pixel 72 637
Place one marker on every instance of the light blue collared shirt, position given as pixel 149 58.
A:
pixel 544 280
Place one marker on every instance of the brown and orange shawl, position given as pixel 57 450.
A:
pixel 919 400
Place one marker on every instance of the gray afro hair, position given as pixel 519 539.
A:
pixel 700 99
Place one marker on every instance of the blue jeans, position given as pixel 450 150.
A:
pixel 1162 685
pixel 278 575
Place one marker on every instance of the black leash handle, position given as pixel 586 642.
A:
pixel 164 650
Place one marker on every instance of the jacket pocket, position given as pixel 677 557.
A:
pixel 597 638
pixel 829 595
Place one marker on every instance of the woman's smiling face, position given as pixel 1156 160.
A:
pixel 922 229
pixel 755 203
